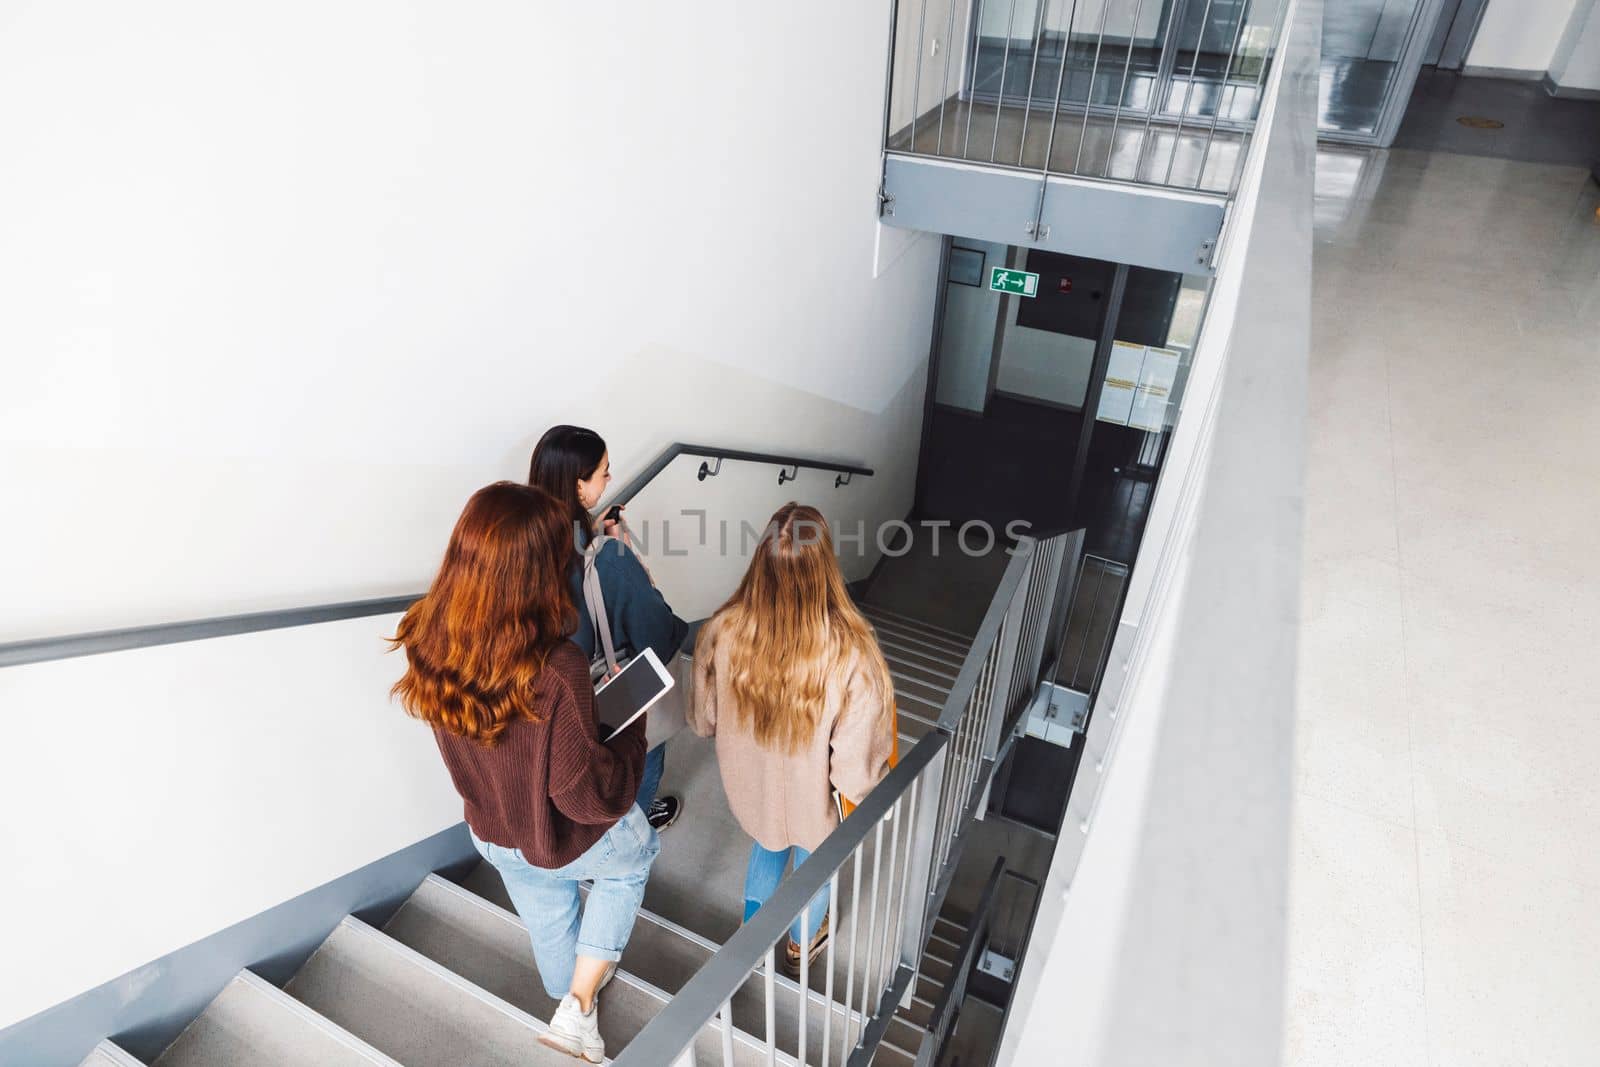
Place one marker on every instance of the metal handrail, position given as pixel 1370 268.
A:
pixel 967 678
pixel 94 643
pixel 674 1028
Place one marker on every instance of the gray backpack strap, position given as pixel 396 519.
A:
pixel 595 602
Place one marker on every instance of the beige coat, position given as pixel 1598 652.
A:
pixel 786 799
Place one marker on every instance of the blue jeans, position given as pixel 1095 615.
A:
pixel 547 900
pixel 761 880
pixel 655 765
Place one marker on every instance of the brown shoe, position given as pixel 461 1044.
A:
pixel 791 950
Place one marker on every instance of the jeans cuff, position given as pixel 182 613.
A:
pixel 594 952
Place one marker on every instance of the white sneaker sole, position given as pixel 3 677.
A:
pixel 574 1049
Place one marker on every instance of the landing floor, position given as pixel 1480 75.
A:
pixel 1445 902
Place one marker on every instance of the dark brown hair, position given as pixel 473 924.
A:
pixel 501 602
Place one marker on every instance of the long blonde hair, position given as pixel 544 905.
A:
pixel 789 627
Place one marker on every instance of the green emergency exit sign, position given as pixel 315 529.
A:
pixel 1017 282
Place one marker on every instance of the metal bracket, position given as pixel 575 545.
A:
pixel 1204 258
pixel 885 201
pixel 842 479
pixel 708 471
pixel 788 474
pixel 996 965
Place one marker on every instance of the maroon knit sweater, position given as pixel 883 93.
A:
pixel 549 788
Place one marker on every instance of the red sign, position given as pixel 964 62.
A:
pixel 1064 285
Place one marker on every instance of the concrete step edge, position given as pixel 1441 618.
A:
pixel 412 957
pixel 934 643
pixel 943 631
pixel 314 1018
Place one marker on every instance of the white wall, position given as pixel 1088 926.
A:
pixel 1519 35
pixel 930 29
pixel 1048 366
pixel 966 341
pixel 1576 63
pixel 282 286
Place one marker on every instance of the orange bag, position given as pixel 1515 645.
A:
pixel 845 805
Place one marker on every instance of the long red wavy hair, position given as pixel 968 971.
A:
pixel 501 602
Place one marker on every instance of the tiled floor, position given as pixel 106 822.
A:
pixel 1536 127
pixel 1446 891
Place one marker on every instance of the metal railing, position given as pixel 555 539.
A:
pixel 68 646
pixel 1155 92
pixel 947 1008
pixel 885 869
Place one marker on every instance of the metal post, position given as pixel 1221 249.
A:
pixel 1005 60
pixel 1097 377
pixel 1094 72
pixel 1010 635
pixel 972 85
pixel 1122 92
pixel 1169 58
pixel 924 827
pixel 1033 72
pixel 1188 92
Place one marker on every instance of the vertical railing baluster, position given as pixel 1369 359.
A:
pixel 827 978
pixel 1222 91
pixel 895 893
pixel 805 980
pixel 867 989
pixel 1156 104
pixel 1061 80
pixel 1005 60
pixel 772 1005
pixel 972 83
pixel 916 82
pixel 1033 72
pixel 1122 91
pixel 1188 92
pixel 1249 134
pixel 1094 72
pixel 944 79
pixel 850 968
pixel 727 1033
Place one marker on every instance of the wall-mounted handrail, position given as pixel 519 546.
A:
pixel 94 643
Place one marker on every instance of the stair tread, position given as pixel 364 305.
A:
pixel 666 956
pixel 372 985
pixel 877 611
pixel 904 655
pixel 246 1026
pixel 929 645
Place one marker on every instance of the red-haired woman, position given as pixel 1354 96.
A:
pixel 490 668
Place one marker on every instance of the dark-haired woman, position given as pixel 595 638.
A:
pixel 571 464
pixel 489 667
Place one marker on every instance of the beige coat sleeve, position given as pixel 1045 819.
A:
pixel 862 738
pixel 703 696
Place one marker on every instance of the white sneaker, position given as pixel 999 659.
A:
pixel 573 1032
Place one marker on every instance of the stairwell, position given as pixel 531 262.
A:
pixel 449 979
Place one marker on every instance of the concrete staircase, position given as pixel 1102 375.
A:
pixel 449 979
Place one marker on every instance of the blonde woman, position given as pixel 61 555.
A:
pixel 789 679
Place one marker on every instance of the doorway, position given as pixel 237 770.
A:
pixel 1371 53
pixel 1006 436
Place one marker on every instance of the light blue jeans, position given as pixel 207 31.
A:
pixel 547 900
pixel 761 880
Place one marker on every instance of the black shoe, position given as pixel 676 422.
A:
pixel 664 811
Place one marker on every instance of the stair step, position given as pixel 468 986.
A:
pixel 874 611
pixel 936 969
pixel 949 930
pixel 109 1054
pixel 665 955
pixel 920 658
pixel 912 728
pixel 252 1023
pixel 488 946
pixel 413 1008
pixel 932 645
pixel 932 693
